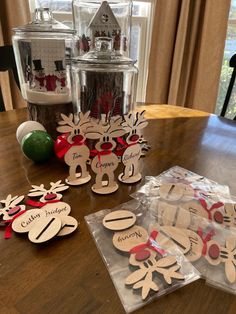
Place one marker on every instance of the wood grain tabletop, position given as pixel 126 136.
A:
pixel 67 275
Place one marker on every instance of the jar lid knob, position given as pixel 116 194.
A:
pixel 42 15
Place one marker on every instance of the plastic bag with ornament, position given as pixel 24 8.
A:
pixel 209 246
pixel 178 183
pixel 143 264
pixel 208 200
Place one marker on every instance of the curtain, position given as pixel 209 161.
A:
pixel 13 13
pixel 186 52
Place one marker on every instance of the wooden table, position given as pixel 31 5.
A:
pixel 68 275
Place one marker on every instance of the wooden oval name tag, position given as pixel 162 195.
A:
pixel 69 225
pixel 119 220
pixel 171 191
pixel 129 238
pixel 26 221
pixel 56 209
pixel 45 229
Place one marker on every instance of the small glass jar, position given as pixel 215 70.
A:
pixel 43 51
pixel 103 82
pixel 94 18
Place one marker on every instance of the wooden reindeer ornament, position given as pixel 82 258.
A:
pixel 105 162
pixel 130 159
pixel 195 245
pixel 145 252
pixel 10 211
pixel 77 153
pixel 50 219
pixel 11 207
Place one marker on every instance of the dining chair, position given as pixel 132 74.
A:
pixel 7 63
pixel 232 64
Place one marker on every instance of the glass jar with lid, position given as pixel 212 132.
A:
pixel 43 51
pixel 104 82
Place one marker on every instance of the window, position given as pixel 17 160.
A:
pixel 140 32
pixel 226 71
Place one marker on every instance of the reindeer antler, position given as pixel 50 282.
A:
pixel 67 120
pixel 115 125
pixel 96 126
pixel 129 121
pixel 58 187
pixel 140 118
pixel 12 201
pixel 37 190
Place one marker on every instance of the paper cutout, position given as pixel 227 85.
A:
pixel 77 153
pixel 105 162
pixel 130 159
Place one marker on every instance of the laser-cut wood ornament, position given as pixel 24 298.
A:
pixel 119 220
pixel 11 206
pixel 169 214
pixel 175 191
pixel 105 162
pixel 196 245
pixel 145 253
pixel 130 158
pixel 77 153
pixel 11 209
pixel 41 219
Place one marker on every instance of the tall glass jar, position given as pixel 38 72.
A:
pixel 95 18
pixel 103 82
pixel 43 51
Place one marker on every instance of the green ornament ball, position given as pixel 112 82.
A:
pixel 37 146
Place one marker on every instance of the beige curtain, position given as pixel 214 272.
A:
pixel 186 52
pixel 12 13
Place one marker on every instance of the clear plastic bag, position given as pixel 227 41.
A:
pixel 123 267
pixel 209 246
pixel 179 177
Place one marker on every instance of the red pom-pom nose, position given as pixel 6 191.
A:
pixel 142 255
pixel 106 145
pixel 14 210
pixel 77 138
pixel 50 196
pixel 214 251
pixel 134 138
pixel 218 217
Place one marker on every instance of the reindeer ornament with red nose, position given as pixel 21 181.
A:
pixel 132 125
pixel 49 218
pixel 105 162
pixel 77 153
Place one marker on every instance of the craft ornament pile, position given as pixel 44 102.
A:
pixel 78 129
pixel 49 218
pixel 146 252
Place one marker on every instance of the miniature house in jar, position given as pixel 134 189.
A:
pixel 109 19
pixel 104 79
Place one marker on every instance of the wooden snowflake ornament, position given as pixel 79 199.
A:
pixel 130 159
pixel 77 152
pixel 50 219
pixel 105 162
